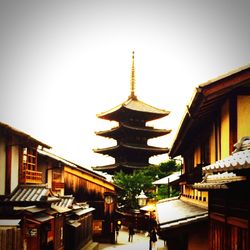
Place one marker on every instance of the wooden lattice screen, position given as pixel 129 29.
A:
pixel 28 169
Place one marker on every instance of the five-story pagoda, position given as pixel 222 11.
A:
pixel 132 151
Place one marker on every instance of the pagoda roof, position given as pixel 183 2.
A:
pixel 148 132
pixel 121 147
pixel 133 105
pixel 124 166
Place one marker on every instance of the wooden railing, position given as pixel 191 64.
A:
pixel 31 176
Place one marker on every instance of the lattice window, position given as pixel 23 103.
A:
pixel 29 159
pixel 28 166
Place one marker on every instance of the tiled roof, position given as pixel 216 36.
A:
pixel 174 212
pixel 68 163
pixel 136 105
pixel 218 181
pixel 123 146
pixel 35 209
pixel 116 166
pixel 41 217
pixel 64 204
pixel 10 222
pixel 223 184
pixel 141 106
pixel 31 194
pixel 17 132
pixel 147 131
pixel 168 179
pixel 82 211
pixel 65 201
pixel 238 160
pixel 206 98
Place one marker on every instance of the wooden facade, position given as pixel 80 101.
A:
pixel 10 235
pixel 18 161
pixel 93 188
pixel 229 219
pixel 217 117
pixel 87 186
pixel 38 189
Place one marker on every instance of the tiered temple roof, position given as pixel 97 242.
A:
pixel 132 108
pixel 132 151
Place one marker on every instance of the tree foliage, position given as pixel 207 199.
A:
pixel 132 184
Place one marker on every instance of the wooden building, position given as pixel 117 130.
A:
pixel 88 187
pixel 131 133
pixel 217 117
pixel 228 182
pixel 76 215
pixel 21 186
pixel 46 201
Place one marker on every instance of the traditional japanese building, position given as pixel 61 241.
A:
pixel 48 202
pixel 131 133
pixel 212 211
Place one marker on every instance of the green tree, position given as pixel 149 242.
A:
pixel 132 184
pixel 168 167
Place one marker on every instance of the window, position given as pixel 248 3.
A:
pixel 28 166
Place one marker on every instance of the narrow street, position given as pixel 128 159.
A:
pixel 140 242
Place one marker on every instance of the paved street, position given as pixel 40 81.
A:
pixel 140 242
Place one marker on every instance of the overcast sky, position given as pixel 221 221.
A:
pixel 63 62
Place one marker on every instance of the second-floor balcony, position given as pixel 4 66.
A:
pixel 31 177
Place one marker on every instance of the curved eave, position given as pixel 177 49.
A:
pixel 207 98
pixel 25 138
pixel 116 167
pixel 125 147
pixel 136 107
pixel 148 132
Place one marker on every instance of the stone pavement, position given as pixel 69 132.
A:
pixel 140 242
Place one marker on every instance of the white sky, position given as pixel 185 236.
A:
pixel 62 62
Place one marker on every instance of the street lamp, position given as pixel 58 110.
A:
pixel 109 206
pixel 142 199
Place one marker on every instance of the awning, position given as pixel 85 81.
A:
pixel 173 213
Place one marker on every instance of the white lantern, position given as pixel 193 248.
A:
pixel 142 199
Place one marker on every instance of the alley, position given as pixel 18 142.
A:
pixel 140 242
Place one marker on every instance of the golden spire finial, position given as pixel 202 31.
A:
pixel 132 80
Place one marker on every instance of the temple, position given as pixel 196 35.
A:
pixel 131 151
